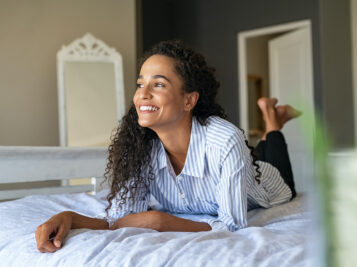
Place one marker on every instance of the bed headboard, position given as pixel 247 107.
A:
pixel 32 164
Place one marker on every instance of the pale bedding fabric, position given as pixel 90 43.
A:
pixel 275 237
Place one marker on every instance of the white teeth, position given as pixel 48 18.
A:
pixel 148 108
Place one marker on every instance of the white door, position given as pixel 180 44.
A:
pixel 291 81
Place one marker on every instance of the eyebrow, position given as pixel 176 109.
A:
pixel 157 76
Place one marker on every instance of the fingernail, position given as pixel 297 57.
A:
pixel 57 243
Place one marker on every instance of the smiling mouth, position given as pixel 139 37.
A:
pixel 148 108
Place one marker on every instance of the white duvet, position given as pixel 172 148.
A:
pixel 275 237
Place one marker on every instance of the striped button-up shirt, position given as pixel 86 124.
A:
pixel 217 179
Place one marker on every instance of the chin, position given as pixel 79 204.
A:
pixel 144 123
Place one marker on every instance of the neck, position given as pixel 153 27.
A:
pixel 176 141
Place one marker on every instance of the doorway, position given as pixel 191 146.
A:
pixel 276 62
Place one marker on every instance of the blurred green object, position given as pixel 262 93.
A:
pixel 324 186
pixel 321 183
pixel 342 210
pixel 336 187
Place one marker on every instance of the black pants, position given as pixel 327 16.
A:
pixel 274 151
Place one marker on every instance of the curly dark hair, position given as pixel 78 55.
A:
pixel 128 166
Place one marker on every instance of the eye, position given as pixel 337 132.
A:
pixel 139 85
pixel 158 84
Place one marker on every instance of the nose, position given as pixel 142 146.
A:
pixel 144 92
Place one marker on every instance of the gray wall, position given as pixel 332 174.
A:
pixel 336 70
pixel 31 34
pixel 354 58
pixel 211 26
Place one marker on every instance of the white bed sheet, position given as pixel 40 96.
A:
pixel 275 237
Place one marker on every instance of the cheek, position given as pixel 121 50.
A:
pixel 170 99
pixel 135 97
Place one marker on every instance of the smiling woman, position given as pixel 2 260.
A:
pixel 174 144
pixel 160 100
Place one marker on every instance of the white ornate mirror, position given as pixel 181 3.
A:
pixel 90 92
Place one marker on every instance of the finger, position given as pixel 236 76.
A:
pixel 58 240
pixel 44 245
pixel 48 247
pixel 113 227
pixel 121 222
pixel 43 239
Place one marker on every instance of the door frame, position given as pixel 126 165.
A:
pixel 242 61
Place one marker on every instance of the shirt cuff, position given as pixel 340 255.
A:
pixel 216 224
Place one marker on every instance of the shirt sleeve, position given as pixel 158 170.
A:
pixel 231 191
pixel 272 190
pixel 136 204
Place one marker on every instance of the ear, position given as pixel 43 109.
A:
pixel 191 100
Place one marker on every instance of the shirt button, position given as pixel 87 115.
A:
pixel 182 195
pixel 179 178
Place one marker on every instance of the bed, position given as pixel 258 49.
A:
pixel 278 236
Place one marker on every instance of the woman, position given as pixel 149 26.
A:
pixel 175 145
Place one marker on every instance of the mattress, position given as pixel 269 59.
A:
pixel 278 236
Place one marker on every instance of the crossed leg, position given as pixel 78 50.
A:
pixel 275 116
pixel 272 148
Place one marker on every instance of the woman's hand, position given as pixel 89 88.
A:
pixel 50 235
pixel 159 221
pixel 56 229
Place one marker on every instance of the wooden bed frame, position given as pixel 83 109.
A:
pixel 34 164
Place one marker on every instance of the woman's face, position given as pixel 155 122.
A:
pixel 159 99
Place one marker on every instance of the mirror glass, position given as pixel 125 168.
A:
pixel 90 96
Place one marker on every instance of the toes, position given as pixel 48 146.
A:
pixel 287 112
pixel 293 113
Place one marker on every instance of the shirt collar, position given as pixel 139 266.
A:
pixel 194 164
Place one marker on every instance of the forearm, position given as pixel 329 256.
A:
pixel 159 221
pixel 176 224
pixel 81 221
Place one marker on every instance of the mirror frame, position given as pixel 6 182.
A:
pixel 87 49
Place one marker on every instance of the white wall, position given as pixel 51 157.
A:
pixel 31 34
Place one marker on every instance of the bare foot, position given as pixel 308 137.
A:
pixel 264 103
pixel 275 116
pixel 286 113
pixel 267 106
